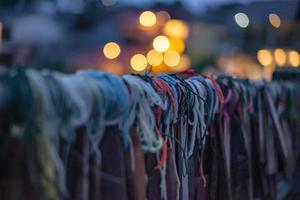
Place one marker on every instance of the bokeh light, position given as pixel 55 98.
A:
pixel 111 50
pixel 242 20
pixel 177 44
pixel 264 57
pixel 162 17
pixel 280 57
pixel 138 62
pixel 112 66
pixel 154 58
pixel 183 64
pixel 176 29
pixel 161 43
pixel 294 58
pixel 274 20
pixel 147 19
pixel 171 58
pixel 162 68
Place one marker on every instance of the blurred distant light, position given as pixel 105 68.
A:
pixel 147 19
pixel 162 68
pixel 274 20
pixel 264 57
pixel 254 72
pixel 268 72
pixel 161 43
pixel 176 29
pixel 111 50
pixel 154 58
pixel 171 58
pixel 162 17
pixel 294 58
pixel 138 62
pixel 183 64
pixel 177 44
pixel 112 66
pixel 280 57
pixel 241 19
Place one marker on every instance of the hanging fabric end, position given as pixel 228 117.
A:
pixel 164 153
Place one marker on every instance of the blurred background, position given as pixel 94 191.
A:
pixel 244 38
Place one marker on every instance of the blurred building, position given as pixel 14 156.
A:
pixel 246 38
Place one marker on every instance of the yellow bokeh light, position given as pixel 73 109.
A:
pixel 177 44
pixel 176 29
pixel 147 19
pixel 162 68
pixel 183 64
pixel 138 62
pixel 280 57
pixel 111 50
pixel 294 58
pixel 154 58
pixel 171 58
pixel 161 43
pixel 264 57
pixel 274 20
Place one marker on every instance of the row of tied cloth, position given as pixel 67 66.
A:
pixel 94 135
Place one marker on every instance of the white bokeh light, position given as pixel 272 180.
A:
pixel 242 20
